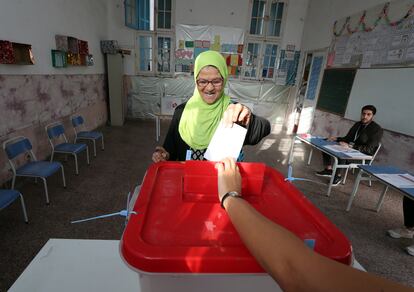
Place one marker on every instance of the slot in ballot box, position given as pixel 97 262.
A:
pixel 182 240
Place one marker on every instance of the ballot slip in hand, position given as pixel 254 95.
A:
pixel 226 142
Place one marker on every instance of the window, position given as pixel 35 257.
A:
pixel 258 10
pixel 266 18
pixel 138 14
pixel 131 19
pixel 164 54
pixel 269 61
pixel 164 14
pixel 260 60
pixel 252 60
pixel 275 20
pixel 154 40
pixel 145 53
pixel 154 53
pixel 262 43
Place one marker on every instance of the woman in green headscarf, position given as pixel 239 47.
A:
pixel 195 121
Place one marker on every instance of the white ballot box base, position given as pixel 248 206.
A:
pixel 68 265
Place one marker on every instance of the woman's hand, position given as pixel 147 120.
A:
pixel 229 178
pixel 236 112
pixel 160 154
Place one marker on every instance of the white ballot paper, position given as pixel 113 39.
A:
pixel 226 142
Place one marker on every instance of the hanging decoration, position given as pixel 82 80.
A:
pixel 362 25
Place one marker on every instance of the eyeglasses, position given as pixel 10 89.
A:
pixel 215 82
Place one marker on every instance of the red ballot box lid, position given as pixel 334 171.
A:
pixel 180 226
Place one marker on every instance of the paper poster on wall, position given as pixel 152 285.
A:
pixel 184 54
pixel 373 37
pixel 198 51
pixel 395 55
pixel 410 54
pixel 314 77
pixel 411 39
pixel 287 69
pixel 367 58
pixel 209 37
pixel 234 60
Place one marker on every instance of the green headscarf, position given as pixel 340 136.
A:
pixel 199 119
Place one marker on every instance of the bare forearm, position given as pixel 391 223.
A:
pixel 294 266
pixel 274 247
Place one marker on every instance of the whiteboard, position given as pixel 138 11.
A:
pixel 391 91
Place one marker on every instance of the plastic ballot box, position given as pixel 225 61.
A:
pixel 180 239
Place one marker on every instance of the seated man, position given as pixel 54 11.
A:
pixel 364 136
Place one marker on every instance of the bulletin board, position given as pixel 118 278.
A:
pixel 379 37
pixel 191 40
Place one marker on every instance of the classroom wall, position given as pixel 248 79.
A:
pixel 32 96
pixel 231 13
pixel 322 15
pixel 317 35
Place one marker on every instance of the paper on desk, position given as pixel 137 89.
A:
pixel 342 149
pixel 402 181
pixel 346 150
pixel 226 142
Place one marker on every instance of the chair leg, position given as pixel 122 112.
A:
pixel 310 156
pixel 24 209
pixel 87 154
pixel 370 182
pixel 94 147
pixel 51 156
pixel 76 164
pixel 346 174
pixel 63 176
pixel 354 191
pixel 381 198
pixel 46 192
pixel 13 181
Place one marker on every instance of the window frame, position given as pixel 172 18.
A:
pixel 264 39
pixel 154 39
pixel 172 53
pixel 154 34
pixel 128 6
pixel 138 34
pixel 266 20
pixel 260 63
pixel 172 20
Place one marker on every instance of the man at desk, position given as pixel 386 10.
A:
pixel 364 136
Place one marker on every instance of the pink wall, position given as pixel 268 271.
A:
pixel 29 102
pixel 397 149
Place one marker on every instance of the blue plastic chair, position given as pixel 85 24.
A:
pixel 78 123
pixel 20 147
pixel 9 196
pixel 56 133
